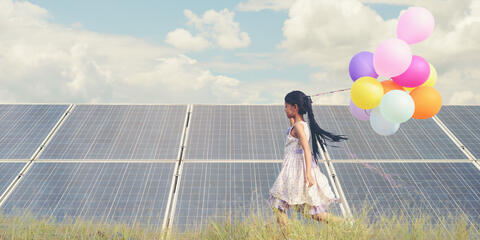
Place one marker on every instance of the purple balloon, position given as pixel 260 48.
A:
pixel 416 74
pixel 361 65
pixel 360 114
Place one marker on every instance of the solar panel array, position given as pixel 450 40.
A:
pixel 464 122
pixel 416 139
pixel 133 193
pixel 119 132
pixel 236 132
pixel 181 166
pixel 437 189
pixel 214 190
pixel 24 127
pixel 8 172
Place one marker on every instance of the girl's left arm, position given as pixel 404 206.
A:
pixel 299 129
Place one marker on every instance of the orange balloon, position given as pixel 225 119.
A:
pixel 389 85
pixel 427 102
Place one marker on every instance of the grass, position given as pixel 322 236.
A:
pixel 253 226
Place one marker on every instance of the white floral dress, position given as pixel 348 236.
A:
pixel 290 188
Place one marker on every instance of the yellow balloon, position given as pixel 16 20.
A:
pixel 432 79
pixel 366 92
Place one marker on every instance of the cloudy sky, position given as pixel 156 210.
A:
pixel 219 52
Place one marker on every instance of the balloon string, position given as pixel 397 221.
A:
pixel 323 93
pixel 340 90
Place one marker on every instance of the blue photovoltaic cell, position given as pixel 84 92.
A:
pixel 464 123
pixel 119 132
pixel 23 128
pixel 416 139
pixel 237 132
pixel 131 193
pixel 214 190
pixel 436 188
pixel 9 172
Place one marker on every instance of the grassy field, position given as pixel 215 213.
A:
pixel 252 227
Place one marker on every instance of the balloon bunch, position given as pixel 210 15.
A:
pixel 409 92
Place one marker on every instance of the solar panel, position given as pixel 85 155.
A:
pixel 416 139
pixel 119 132
pixel 236 132
pixel 8 172
pixel 215 190
pixel 434 188
pixel 23 128
pixel 131 193
pixel 464 123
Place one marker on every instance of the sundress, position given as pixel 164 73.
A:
pixel 290 188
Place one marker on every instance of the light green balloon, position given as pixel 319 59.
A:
pixel 397 106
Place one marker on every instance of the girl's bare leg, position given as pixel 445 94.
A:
pixel 327 217
pixel 282 220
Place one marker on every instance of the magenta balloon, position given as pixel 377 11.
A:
pixel 392 57
pixel 415 25
pixel 360 114
pixel 416 74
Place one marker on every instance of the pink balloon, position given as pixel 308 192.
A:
pixel 392 57
pixel 360 114
pixel 415 25
pixel 416 74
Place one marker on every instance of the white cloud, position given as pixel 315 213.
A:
pixel 453 48
pixel 24 13
pixel 257 5
pixel 235 67
pixel 220 27
pixel 183 39
pixel 45 62
pixel 321 82
pixel 326 34
pixel 250 61
pixel 464 98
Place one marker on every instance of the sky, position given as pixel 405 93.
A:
pixel 217 52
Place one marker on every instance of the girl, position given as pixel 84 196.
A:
pixel 298 169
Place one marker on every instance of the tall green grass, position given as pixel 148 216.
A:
pixel 252 226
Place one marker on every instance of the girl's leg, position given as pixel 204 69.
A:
pixel 282 220
pixel 327 217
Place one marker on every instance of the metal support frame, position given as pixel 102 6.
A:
pixel 337 186
pixel 172 198
pixel 454 138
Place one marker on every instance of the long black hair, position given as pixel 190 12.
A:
pixel 304 104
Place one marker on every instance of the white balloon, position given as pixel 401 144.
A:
pixel 397 106
pixel 381 125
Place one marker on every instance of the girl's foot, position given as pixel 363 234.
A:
pixel 348 220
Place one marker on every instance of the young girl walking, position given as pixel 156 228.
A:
pixel 300 184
